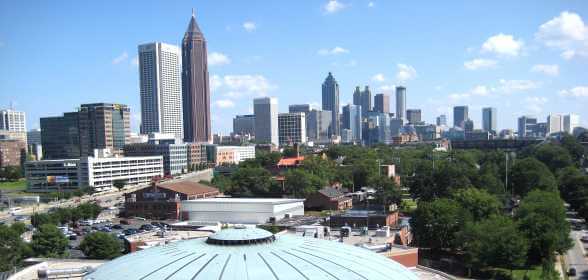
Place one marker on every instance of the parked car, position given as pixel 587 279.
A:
pixel 572 271
pixel 21 218
pixel 73 237
pixel 584 238
pixel 147 227
pixel 117 227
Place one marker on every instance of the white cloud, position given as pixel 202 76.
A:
pixel 224 103
pixel 481 91
pixel 535 104
pixel 249 26
pixel 123 57
pixel 387 88
pixel 333 6
pixel 566 32
pixel 215 82
pixel 378 78
pixel 237 86
pixel 405 72
pixel 371 4
pixel 550 70
pixel 508 86
pixel 135 61
pixel 479 63
pixel 580 91
pixel 217 59
pixel 503 44
pixel 333 51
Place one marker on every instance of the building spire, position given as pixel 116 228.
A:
pixel 193 30
pixel 193 15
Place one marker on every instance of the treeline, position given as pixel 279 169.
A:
pixel 61 216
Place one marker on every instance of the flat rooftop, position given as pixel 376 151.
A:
pixel 245 200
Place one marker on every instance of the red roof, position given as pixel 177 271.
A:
pixel 287 162
pixel 188 187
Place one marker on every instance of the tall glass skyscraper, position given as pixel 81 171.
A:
pixel 382 103
pixel 352 121
pixel 400 103
pixel 460 115
pixel 161 89
pixel 363 99
pixel 266 120
pixel 489 119
pixel 331 102
pixel 195 88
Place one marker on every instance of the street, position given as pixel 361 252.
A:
pixel 576 256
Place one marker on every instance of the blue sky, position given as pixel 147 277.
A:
pixel 519 56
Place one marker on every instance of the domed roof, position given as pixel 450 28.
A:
pixel 248 253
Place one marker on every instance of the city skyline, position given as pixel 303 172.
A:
pixel 530 69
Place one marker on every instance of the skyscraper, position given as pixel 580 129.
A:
pixel 161 90
pixel 12 120
pixel 570 122
pixel 442 120
pixel 363 99
pixel 300 108
pixel 352 120
pixel 400 102
pixel 103 126
pixel 489 119
pixel 382 103
pixel 460 115
pixel 244 124
pixel 60 136
pixel 526 126
pixel 331 102
pixel 555 123
pixel 319 123
pixel 292 128
pixel 413 116
pixel 266 120
pixel 195 88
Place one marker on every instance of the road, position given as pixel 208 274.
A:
pixel 576 256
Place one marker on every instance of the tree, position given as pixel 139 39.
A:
pixel 479 203
pixel 436 223
pixel 39 219
pixel 387 192
pixel 100 245
pixel 554 156
pixel 267 159
pixel 49 242
pixel 251 181
pixel 489 179
pixel 12 248
pixel 301 183
pixel 12 173
pixel 529 174
pixel 574 148
pixel 221 182
pixel 119 184
pixel 493 242
pixel 63 215
pixel 88 210
pixel 542 219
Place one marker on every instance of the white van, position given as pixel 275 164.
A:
pixel 14 210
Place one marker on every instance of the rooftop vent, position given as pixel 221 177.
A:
pixel 241 235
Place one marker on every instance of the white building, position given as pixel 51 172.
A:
pixel 554 123
pixel 266 120
pixel 292 128
pixel 570 122
pixel 221 155
pixel 242 210
pixel 160 67
pixel 12 120
pixel 98 172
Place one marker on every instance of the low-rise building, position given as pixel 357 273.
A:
pixel 196 154
pixel 361 218
pixel 329 198
pixel 242 210
pixel 228 155
pixel 162 200
pixel 175 156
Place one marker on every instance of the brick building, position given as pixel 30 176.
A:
pixel 12 152
pixel 162 200
pixel 329 198
pixel 359 218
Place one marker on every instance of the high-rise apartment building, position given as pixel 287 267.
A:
pixel 382 103
pixel 13 120
pixel 103 126
pixel 330 100
pixel 413 116
pixel 400 102
pixel 460 115
pixel 319 123
pixel 60 136
pixel 555 123
pixel 570 122
pixel 292 128
pixel 351 120
pixel 195 87
pixel 266 120
pixel 489 119
pixel 442 120
pixel 526 126
pixel 244 124
pixel 161 89
pixel 363 98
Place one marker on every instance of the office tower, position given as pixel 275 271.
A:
pixel 161 89
pixel 319 123
pixel 400 102
pixel 103 126
pixel 363 99
pixel 292 128
pixel 526 125
pixel 34 137
pixel 266 120
pixel 382 103
pixel 11 120
pixel 442 120
pixel 413 116
pixel 352 120
pixel 195 87
pixel 489 119
pixel 60 136
pixel 395 126
pixel 570 122
pixel 244 124
pixel 330 94
pixel 555 123
pixel 460 115
pixel 468 125
pixel 300 108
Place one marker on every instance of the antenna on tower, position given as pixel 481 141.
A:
pixel 192 12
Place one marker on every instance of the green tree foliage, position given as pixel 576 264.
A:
pixel 12 248
pixel 428 183
pixel 39 219
pixel 553 155
pixel 49 242
pixel 301 183
pixel 267 159
pixel 574 148
pixel 436 223
pixel 323 169
pixel 221 182
pixel 529 174
pixel 479 203
pixel 387 192
pixel 11 173
pixel 100 245
pixel 250 181
pixel 541 218
pixel 494 242
pixel 119 184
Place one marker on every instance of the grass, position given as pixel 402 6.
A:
pixel 19 185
